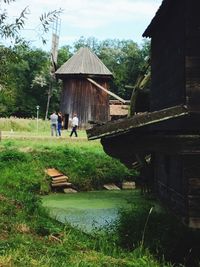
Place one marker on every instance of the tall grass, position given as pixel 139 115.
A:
pixel 159 231
pixel 25 125
pixel 28 128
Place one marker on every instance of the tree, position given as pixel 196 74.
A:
pixel 64 54
pixel 12 29
pixel 11 62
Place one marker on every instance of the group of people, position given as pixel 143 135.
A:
pixel 56 121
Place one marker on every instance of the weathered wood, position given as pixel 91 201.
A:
pixel 105 90
pixel 58 178
pixel 61 184
pixel 127 145
pixel 137 121
pixel 194 222
pixel 128 185
pixel 59 181
pixel 111 187
pixel 82 97
pixel 52 172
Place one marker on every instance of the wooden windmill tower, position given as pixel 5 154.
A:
pixel 85 87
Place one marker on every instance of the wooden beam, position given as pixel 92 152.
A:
pixel 107 91
pixel 128 145
pixel 118 127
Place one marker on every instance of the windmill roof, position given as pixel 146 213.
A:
pixel 84 62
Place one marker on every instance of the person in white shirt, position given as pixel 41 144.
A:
pixel 74 125
pixel 54 123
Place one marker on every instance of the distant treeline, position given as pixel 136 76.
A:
pixel 25 73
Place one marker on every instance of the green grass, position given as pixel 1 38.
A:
pixel 23 125
pixel 27 128
pixel 29 237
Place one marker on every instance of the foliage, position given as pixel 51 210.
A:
pixel 159 231
pixel 11 30
pixel 17 71
pixel 47 19
pixel 12 155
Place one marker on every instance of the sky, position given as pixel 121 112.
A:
pixel 102 19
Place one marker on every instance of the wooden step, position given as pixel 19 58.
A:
pixel 70 190
pixel 52 172
pixel 111 187
pixel 59 181
pixel 128 185
pixel 61 184
pixel 60 178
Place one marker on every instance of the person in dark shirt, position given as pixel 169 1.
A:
pixel 59 123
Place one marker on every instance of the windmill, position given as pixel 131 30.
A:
pixel 53 58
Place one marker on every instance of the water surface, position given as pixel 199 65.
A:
pixel 87 210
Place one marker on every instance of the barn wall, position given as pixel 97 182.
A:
pixel 193 55
pixel 168 60
pixel 170 183
pixel 85 99
pixel 192 175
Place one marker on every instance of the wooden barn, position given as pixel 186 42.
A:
pixel 85 81
pixel 170 131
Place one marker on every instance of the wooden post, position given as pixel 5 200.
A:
pixel 107 91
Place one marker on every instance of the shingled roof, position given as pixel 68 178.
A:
pixel 84 62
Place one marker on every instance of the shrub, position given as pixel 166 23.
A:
pixel 163 234
pixel 13 155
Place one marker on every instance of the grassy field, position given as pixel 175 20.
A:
pixel 29 237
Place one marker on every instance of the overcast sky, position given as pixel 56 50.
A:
pixel 102 19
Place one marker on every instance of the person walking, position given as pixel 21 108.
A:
pixel 59 123
pixel 54 123
pixel 74 125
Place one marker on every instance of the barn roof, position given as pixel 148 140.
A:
pixel 84 62
pixel 119 127
pixel 160 16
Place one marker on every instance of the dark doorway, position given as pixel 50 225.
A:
pixel 66 121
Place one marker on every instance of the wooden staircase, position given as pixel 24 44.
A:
pixel 58 179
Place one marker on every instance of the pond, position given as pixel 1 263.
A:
pixel 87 210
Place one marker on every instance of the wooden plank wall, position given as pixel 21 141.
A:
pixel 168 61
pixel 178 185
pixel 170 183
pixel 85 99
pixel 193 55
pixel 191 173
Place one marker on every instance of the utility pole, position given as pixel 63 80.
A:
pixel 53 59
pixel 37 108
